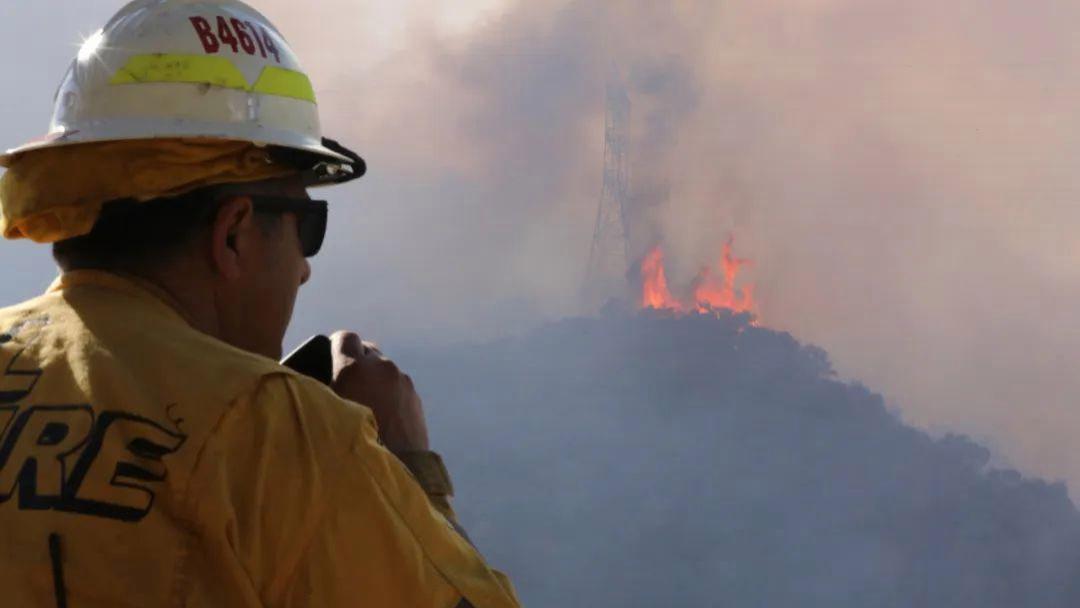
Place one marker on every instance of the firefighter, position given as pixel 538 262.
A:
pixel 153 452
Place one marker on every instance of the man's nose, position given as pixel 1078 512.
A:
pixel 306 272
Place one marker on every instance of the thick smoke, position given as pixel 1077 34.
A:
pixel 644 460
pixel 900 172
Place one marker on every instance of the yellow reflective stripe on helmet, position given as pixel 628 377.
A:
pixel 216 71
pixel 285 83
pixel 198 69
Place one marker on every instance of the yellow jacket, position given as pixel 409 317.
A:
pixel 143 463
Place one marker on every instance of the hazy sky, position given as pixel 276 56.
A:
pixel 900 171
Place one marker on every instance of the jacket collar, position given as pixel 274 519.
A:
pixel 125 283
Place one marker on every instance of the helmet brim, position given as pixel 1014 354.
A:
pixel 323 164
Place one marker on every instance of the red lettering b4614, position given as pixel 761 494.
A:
pixel 236 35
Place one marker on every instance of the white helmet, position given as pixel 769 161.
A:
pixel 193 69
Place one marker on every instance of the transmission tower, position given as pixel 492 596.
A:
pixel 609 256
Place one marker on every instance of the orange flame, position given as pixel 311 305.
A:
pixel 712 289
pixel 654 288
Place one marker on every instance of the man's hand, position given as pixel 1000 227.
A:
pixel 362 374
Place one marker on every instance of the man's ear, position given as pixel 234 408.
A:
pixel 230 236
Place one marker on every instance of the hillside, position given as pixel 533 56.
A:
pixel 642 459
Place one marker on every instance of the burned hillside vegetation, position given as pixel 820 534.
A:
pixel 700 460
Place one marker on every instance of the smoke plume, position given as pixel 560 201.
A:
pixel 899 171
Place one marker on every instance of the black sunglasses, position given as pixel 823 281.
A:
pixel 310 218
